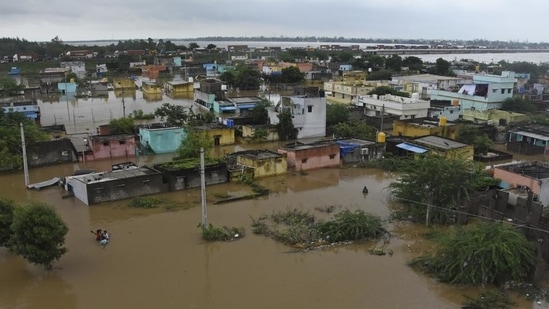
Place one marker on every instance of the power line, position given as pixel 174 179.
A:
pixel 473 215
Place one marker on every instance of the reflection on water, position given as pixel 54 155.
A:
pixel 156 258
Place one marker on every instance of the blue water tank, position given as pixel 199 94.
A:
pixel 230 123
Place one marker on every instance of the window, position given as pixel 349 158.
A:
pixel 509 90
pixel 122 142
pixel 502 91
pixel 65 153
pixel 106 143
pixel 494 90
pixel 309 108
pixel 304 160
pixel 332 156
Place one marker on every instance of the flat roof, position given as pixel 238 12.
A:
pixel 533 135
pixel 356 141
pixel 115 175
pixel 412 148
pixel 439 142
pixel 300 146
pixel 179 82
pixel 533 169
pixel 240 100
pixel 425 78
pixel 258 154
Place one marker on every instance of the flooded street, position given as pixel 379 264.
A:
pixel 156 258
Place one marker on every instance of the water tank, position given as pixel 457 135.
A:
pixel 230 123
pixel 415 97
pixel 442 121
pixel 191 80
pixel 381 137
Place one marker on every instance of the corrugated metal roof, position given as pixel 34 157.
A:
pixel 412 148
pixel 533 135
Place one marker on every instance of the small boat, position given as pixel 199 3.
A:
pixel 14 71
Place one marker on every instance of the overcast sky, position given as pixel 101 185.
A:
pixel 400 19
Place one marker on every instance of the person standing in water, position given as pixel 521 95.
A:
pixel 104 238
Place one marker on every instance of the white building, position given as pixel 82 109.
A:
pixel 308 112
pixel 76 67
pixel 404 108
pixel 424 83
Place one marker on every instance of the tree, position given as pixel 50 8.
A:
pixel 211 46
pixel 9 87
pixel 431 186
pixel 7 208
pixel 191 144
pixel 260 114
pixel 193 45
pixel 379 75
pixel 247 78
pixel 292 74
pixel 175 115
pixel 38 234
pixel 336 113
pixel 442 67
pixel 413 63
pixel 285 127
pixel 11 156
pixel 482 254
pixel 121 126
pixel 393 63
pixel 472 136
pixel 518 105
pixel 354 129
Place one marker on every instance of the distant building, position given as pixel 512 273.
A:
pixel 303 157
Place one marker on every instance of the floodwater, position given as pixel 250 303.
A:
pixel 156 258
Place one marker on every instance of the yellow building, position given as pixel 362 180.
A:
pixel 446 147
pixel 264 162
pixel 123 83
pixel 249 133
pixel 494 117
pixel 179 88
pixel 424 127
pixel 221 135
pixel 151 88
pixel 354 77
pixel 345 92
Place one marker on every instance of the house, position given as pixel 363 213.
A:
pixel 376 106
pixel 209 91
pixel 527 177
pixel 445 147
pixel 56 151
pixel 356 150
pixel 221 134
pixel 484 93
pixel 224 107
pixel 211 69
pixel 315 155
pixel 444 108
pixel 123 83
pixel 495 117
pixel 157 139
pixel 248 133
pixel 110 146
pixel 425 126
pixel 179 87
pixel 347 92
pixel 244 104
pixel 49 78
pixel 263 162
pixel 149 87
pixel 101 69
pixel 529 139
pixel 76 67
pixel 423 84
pixel 114 185
pixel 66 88
pixel 185 174
pixel 29 108
pixel 308 109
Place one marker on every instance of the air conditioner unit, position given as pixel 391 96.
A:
pixel 364 151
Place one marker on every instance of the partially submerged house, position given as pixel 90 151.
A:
pixel 185 174
pixel 315 155
pixel 356 150
pixel 157 139
pixel 101 147
pixel 114 185
pixel 263 162
pixel 52 152
pixel 526 176
pixel 446 147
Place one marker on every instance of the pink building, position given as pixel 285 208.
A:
pixel 110 146
pixel 303 157
pixel 533 176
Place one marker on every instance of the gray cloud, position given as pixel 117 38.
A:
pixel 129 19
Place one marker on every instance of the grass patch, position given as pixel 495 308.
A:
pixel 221 233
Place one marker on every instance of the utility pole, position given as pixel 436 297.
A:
pixel 24 147
pixel 382 114
pixel 203 189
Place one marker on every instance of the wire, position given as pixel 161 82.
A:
pixel 473 215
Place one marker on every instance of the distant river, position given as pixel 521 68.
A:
pixel 486 58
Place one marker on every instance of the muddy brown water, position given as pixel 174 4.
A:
pixel 156 258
